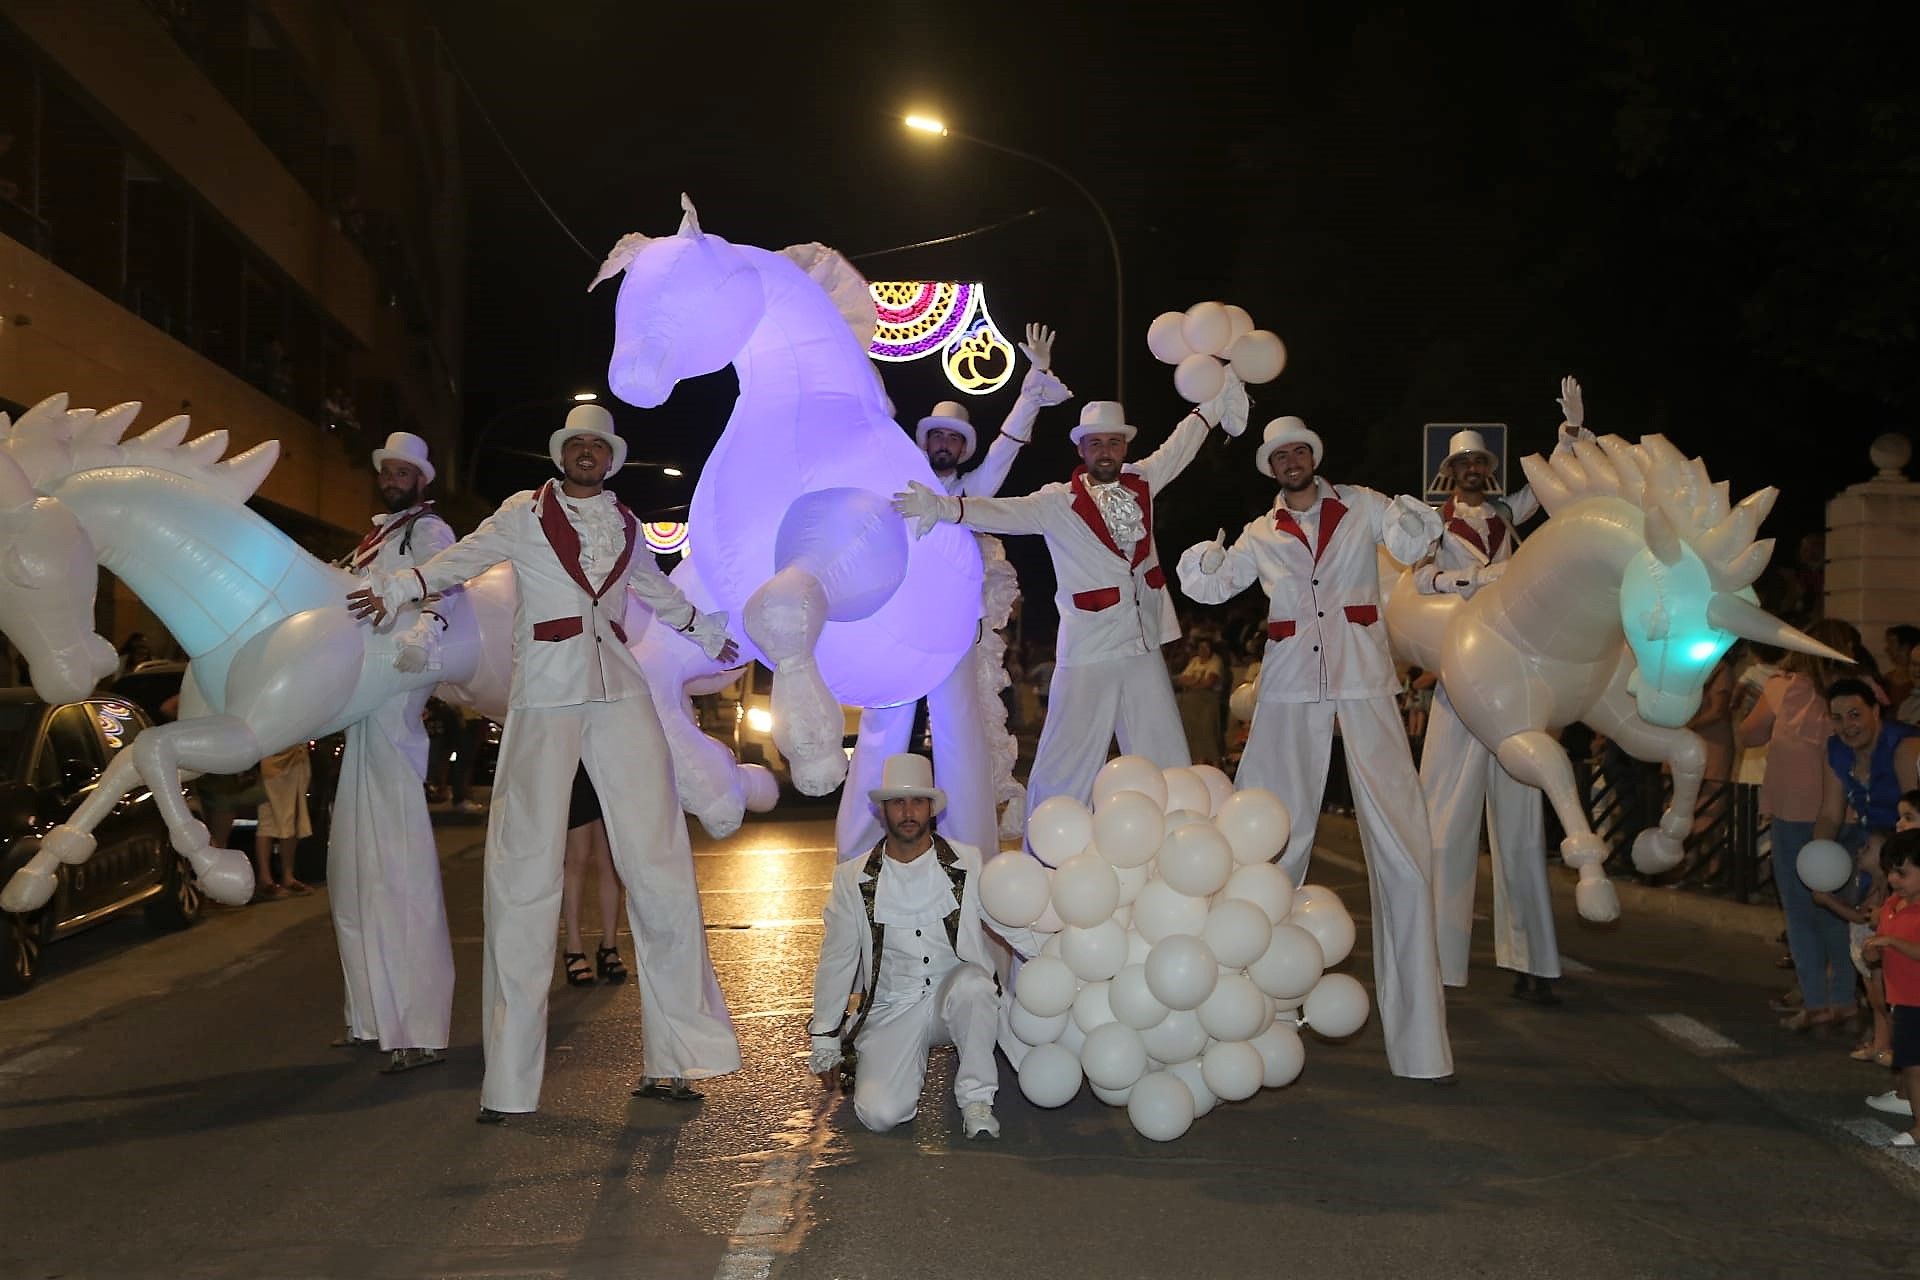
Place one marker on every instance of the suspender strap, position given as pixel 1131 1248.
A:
pixel 949 863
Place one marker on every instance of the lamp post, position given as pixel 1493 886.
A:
pixel 939 129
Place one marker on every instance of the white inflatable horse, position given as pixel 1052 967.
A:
pixel 796 534
pixel 1613 613
pixel 276 658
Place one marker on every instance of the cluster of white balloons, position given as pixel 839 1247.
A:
pixel 1185 960
pixel 1203 340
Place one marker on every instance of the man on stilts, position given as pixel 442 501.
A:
pixel 578 696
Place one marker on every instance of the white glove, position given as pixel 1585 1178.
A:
pixel 1216 553
pixel 1039 346
pixel 1571 407
pixel 925 507
pixel 825 1055
pixel 419 647
pixel 1415 519
pixel 709 631
pixel 1230 408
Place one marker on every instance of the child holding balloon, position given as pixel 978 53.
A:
pixel 1895 945
pixel 1857 902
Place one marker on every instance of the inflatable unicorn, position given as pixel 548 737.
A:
pixel 797 537
pixel 276 658
pixel 1613 613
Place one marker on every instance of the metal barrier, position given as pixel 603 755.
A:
pixel 1728 852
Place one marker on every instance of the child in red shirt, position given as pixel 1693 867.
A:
pixel 1896 944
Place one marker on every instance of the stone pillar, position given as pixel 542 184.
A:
pixel 1873 546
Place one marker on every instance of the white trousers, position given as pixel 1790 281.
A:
pixel 961 766
pixel 1288 750
pixel 1090 706
pixel 1464 781
pixel 383 884
pixel 964 1011
pixel 684 1025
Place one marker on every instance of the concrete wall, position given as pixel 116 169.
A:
pixel 1873 556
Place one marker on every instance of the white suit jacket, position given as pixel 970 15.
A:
pixel 1112 600
pixel 846 951
pixel 1326 629
pixel 569 646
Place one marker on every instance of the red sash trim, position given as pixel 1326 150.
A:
pixel 1496 530
pixel 565 541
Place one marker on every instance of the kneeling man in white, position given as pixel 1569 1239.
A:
pixel 905 931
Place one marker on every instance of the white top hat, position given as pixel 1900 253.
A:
pixel 589 420
pixel 404 446
pixel 1098 417
pixel 949 415
pixel 905 776
pixel 1459 445
pixel 1281 431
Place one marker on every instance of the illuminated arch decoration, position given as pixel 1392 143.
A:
pixel 920 317
pixel 665 537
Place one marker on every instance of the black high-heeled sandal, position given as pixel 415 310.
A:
pixel 612 971
pixel 579 972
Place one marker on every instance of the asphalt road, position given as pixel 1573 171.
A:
pixel 169 1107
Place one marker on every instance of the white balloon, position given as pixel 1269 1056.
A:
pixel 1186 791
pixel 1824 866
pixel 1232 1070
pixel 1258 356
pixel 1050 1075
pixel 1129 773
pixel 1030 1028
pixel 1238 931
pixel 1181 971
pixel 1188 1073
pixel 1091 1007
pixel 1315 893
pixel 1235 1010
pixel 1013 889
pixel 1059 828
pixel 1162 911
pixel 1177 818
pixel 1265 885
pixel 1176 1037
pixel 1164 338
pixel 1207 328
pixel 1239 322
pixel 1072 1037
pixel 1255 823
pixel 1123 914
pixel 1094 954
pixel 1137 946
pixel 1132 881
pixel 1291 964
pixel 1281 1054
pixel 1085 891
pixel 1195 859
pixel 1050 921
pixel 1329 923
pixel 1219 786
pixel 1051 947
pixel 1113 1056
pixel 1045 986
pixel 1160 1107
pixel 1244 698
pixel 1132 1000
pixel 1112 1097
pixel 1337 1006
pixel 1127 828
pixel 1199 378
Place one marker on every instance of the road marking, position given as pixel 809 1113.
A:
pixel 1570 965
pixel 1693 1033
pixel 1879 1136
pixel 36 1061
pixel 772 1213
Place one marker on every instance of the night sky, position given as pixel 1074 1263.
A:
pixel 1713 226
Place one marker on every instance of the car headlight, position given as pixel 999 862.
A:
pixel 759 719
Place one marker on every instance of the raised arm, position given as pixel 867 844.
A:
pixel 1228 410
pixel 926 508
pixel 1212 573
pixel 1038 389
pixel 465 560
pixel 1573 412
pixel 1405 526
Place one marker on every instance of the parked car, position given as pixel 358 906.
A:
pixel 51 758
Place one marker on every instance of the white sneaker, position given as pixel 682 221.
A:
pixel 1891 1102
pixel 979 1120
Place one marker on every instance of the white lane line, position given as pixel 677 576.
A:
pixel 1692 1032
pixel 1877 1135
pixel 773 1209
pixel 1570 965
pixel 36 1061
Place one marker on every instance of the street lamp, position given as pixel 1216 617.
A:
pixel 480 437
pixel 938 128
pixel 585 397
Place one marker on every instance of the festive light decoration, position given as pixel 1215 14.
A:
pixel 920 317
pixel 665 537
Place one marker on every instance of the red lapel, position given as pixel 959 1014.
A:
pixel 1496 530
pixel 1089 512
pixel 566 542
pixel 1332 511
